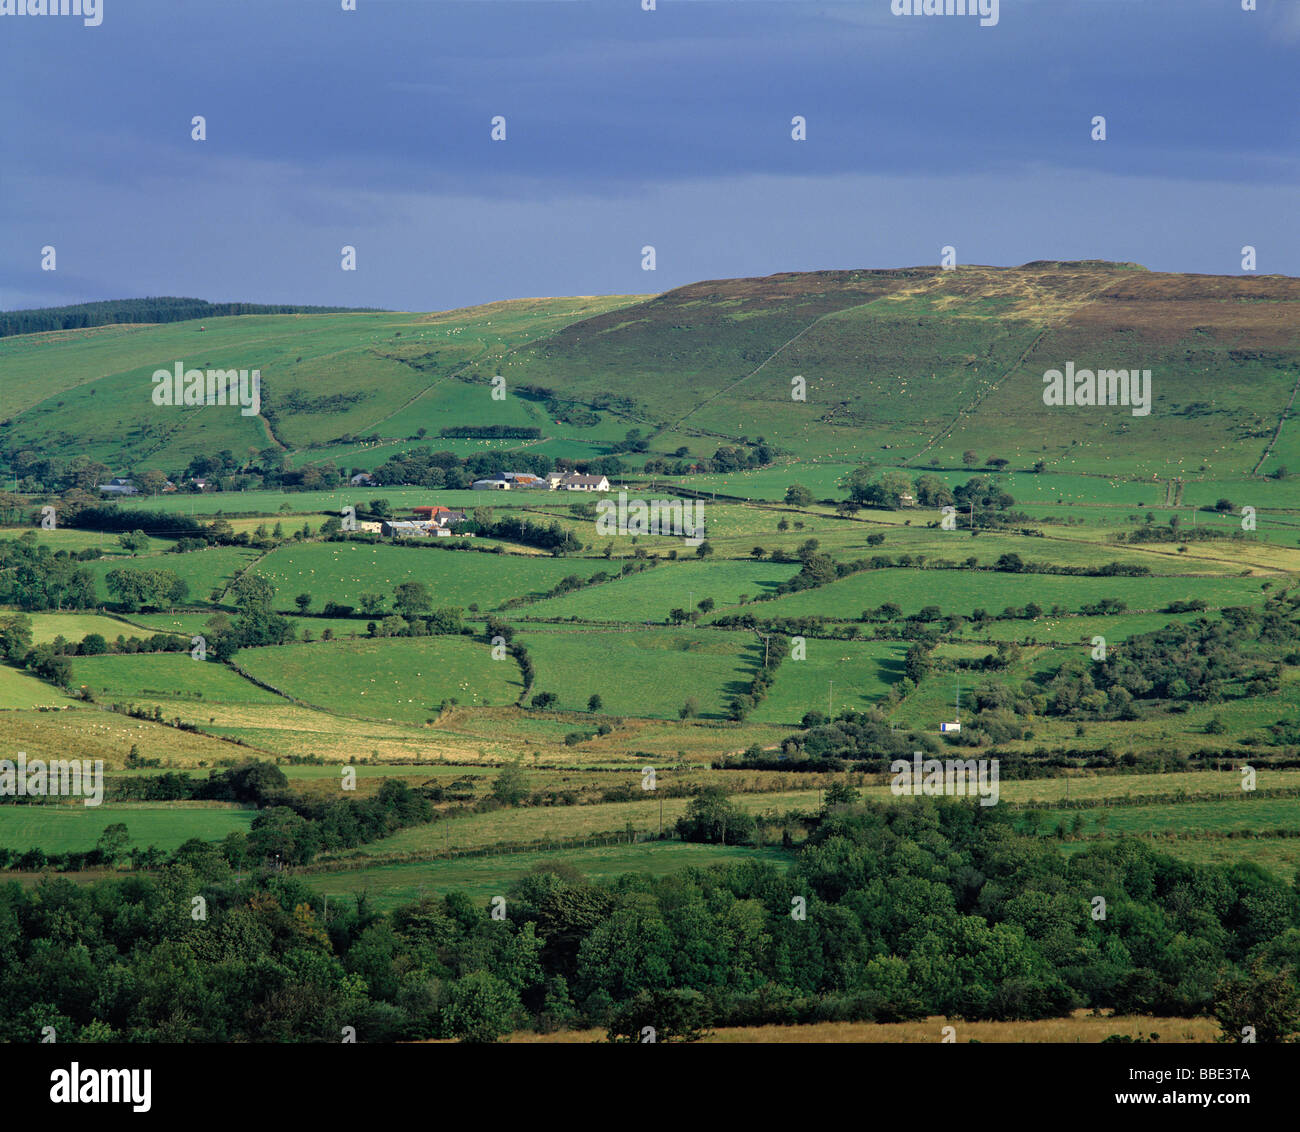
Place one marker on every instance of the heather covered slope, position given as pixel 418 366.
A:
pixel 934 362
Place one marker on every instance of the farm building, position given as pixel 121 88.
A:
pixel 449 519
pixel 428 521
pixel 404 528
pixel 363 479
pixel 441 517
pixel 580 483
pixel 119 486
pixel 504 481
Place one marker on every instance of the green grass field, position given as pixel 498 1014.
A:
pixel 20 690
pixel 342 571
pixel 650 594
pixel 291 506
pixel 1259 815
pixel 204 570
pixel 389 886
pixel 476 831
pixel 74 626
pixel 75 828
pixel 834 676
pixel 72 540
pixel 163 678
pixel 403 680
pixel 649 672
pixel 963 591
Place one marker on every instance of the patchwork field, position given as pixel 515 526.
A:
pixel 921 384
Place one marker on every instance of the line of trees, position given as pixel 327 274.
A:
pixel 163 309
pixel 776 649
pixel 513 432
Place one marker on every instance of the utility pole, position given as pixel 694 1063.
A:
pixel 830 711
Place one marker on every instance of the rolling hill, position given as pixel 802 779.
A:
pixel 911 366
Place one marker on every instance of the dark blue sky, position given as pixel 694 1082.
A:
pixel 627 128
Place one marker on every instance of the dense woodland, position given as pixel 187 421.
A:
pixel 888 913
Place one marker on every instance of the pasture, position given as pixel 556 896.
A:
pixel 646 672
pixel 74 828
pixel 342 571
pixel 205 571
pixel 649 595
pixel 403 680
pixel 20 690
pixel 165 678
pixel 964 591
pixel 74 626
pixel 836 675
